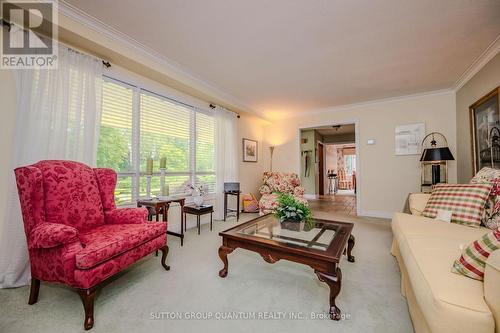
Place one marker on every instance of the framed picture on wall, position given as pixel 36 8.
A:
pixel 408 139
pixel 485 131
pixel 250 150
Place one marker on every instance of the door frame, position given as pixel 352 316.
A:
pixel 321 168
pixel 357 143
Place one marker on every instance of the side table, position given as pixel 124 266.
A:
pixel 198 211
pixel 237 194
pixel 157 206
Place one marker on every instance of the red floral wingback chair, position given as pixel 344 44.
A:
pixel 275 183
pixel 75 233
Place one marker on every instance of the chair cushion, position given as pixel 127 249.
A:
pixel 466 201
pixel 71 194
pixel 109 240
pixel 269 202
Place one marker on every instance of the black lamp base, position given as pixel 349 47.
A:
pixel 436 174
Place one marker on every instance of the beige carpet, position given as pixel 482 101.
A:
pixel 369 298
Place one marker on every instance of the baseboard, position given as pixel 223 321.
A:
pixel 376 213
pixel 309 196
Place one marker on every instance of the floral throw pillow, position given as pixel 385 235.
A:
pixel 491 214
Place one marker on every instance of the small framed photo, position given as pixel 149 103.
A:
pixel 250 150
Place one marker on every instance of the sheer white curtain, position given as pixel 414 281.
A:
pixel 58 117
pixel 226 154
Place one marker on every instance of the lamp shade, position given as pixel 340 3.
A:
pixel 437 154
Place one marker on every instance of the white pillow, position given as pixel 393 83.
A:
pixel 444 215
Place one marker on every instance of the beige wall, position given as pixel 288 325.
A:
pixel 483 82
pixel 250 127
pixel 8 98
pixel 384 179
pixel 307 181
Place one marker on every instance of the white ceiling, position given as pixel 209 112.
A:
pixel 286 57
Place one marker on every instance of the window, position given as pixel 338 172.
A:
pixel 138 124
pixel 115 140
pixel 350 164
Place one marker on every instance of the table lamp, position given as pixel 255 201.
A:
pixel 436 152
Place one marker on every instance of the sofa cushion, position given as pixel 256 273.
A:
pixel 405 226
pixel 109 240
pixel 427 248
pixel 71 194
pixel 449 302
pixel 417 202
pixel 466 201
pixel 472 261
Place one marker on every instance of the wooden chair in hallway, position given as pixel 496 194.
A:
pixel 343 181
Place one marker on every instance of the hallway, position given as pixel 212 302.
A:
pixel 338 204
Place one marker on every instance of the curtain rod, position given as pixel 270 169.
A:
pixel 6 24
pixel 9 25
pixel 213 106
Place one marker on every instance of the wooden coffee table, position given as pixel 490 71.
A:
pixel 321 248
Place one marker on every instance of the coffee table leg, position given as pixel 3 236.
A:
pixel 334 282
pixel 223 252
pixel 350 245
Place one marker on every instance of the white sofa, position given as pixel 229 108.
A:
pixel 439 300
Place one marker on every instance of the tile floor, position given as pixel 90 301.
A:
pixel 337 203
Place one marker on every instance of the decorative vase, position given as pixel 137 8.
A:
pixel 198 200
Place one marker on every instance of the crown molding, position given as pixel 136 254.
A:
pixel 181 73
pixel 371 102
pixel 492 50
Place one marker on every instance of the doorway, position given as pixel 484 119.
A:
pixel 328 170
pixel 321 166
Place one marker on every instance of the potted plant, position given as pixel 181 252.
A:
pixel 293 214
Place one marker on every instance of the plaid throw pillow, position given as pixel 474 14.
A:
pixel 472 260
pixel 465 201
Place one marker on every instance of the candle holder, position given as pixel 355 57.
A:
pixel 148 186
pixel 162 181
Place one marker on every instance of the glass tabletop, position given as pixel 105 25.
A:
pixel 295 233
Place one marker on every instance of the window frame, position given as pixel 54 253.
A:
pixel 352 157
pixel 137 89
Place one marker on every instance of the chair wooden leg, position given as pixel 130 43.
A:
pixel 35 288
pixel 164 253
pixel 87 296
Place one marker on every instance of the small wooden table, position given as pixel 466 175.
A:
pixel 157 206
pixel 321 247
pixel 198 211
pixel 237 194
